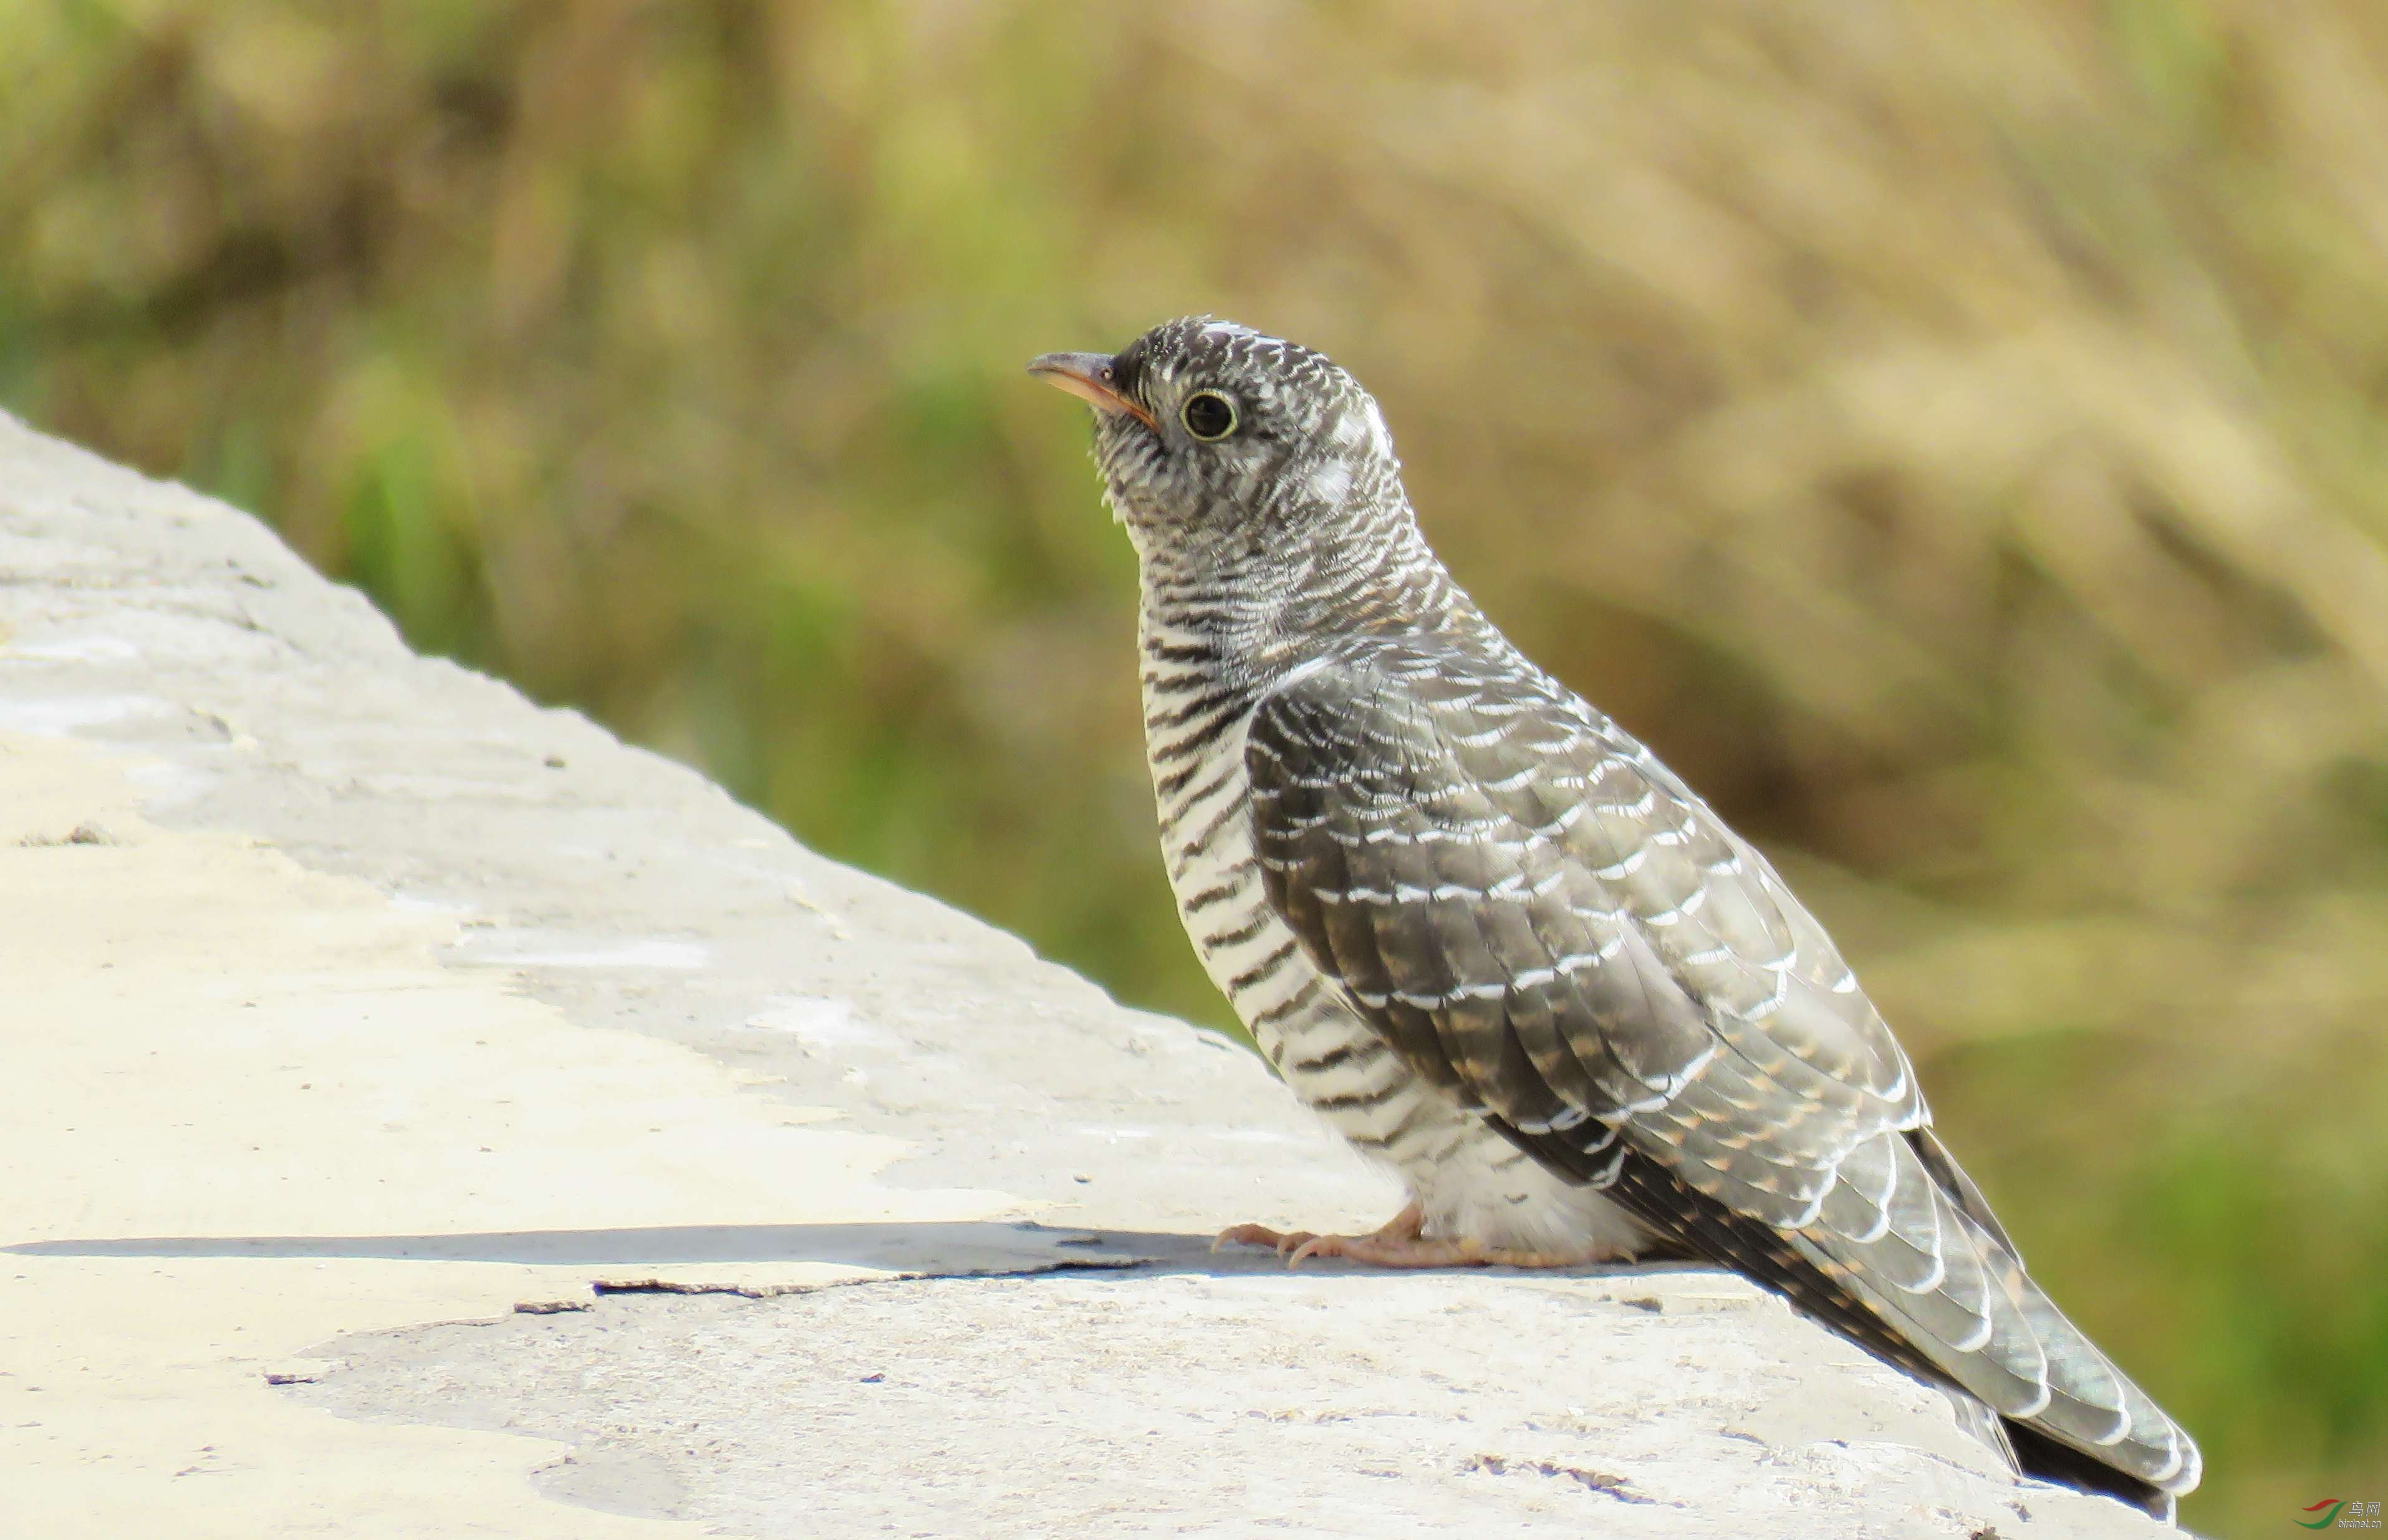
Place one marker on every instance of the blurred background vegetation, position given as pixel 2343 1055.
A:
pixel 1950 430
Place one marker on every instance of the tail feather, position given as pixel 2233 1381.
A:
pixel 2044 1459
pixel 2049 1400
pixel 1984 1323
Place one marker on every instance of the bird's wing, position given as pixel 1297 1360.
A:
pixel 1545 924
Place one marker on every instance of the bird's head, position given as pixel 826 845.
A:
pixel 1223 447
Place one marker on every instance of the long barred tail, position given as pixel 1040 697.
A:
pixel 1930 1260
pixel 1938 1291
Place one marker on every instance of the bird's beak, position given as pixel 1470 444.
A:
pixel 1088 376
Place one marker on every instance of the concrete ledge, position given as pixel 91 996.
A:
pixel 422 1114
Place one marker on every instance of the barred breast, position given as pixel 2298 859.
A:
pixel 1470 1180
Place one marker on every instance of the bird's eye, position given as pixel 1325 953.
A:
pixel 1209 415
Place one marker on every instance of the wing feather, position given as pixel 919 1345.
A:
pixel 1544 922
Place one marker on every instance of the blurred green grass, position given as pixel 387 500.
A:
pixel 1951 432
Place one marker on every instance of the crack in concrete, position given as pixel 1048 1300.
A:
pixel 1597 1481
pixel 605 1286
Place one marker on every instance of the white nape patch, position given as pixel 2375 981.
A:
pixel 816 1019
pixel 1350 430
pixel 1330 482
pixel 1226 328
pixel 1380 438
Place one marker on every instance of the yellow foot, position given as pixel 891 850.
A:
pixel 1400 1242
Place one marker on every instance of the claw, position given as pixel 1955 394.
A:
pixel 1280 1241
pixel 1400 1242
pixel 1389 1244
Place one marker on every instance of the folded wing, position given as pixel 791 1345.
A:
pixel 1545 923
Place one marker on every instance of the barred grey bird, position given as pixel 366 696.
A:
pixel 1505 951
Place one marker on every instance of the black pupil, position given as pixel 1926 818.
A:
pixel 1208 417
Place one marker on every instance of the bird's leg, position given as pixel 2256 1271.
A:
pixel 1399 1242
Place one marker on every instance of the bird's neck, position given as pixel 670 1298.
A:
pixel 1241 619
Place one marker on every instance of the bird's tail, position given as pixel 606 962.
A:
pixel 1984 1323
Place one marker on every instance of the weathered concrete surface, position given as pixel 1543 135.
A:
pixel 343 994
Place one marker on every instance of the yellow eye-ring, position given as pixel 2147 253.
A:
pixel 1208 416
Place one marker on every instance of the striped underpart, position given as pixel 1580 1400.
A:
pixel 1468 1177
pixel 1502 948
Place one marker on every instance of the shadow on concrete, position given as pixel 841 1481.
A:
pixel 968 1247
pixel 961 1247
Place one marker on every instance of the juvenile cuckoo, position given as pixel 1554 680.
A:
pixel 1505 951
